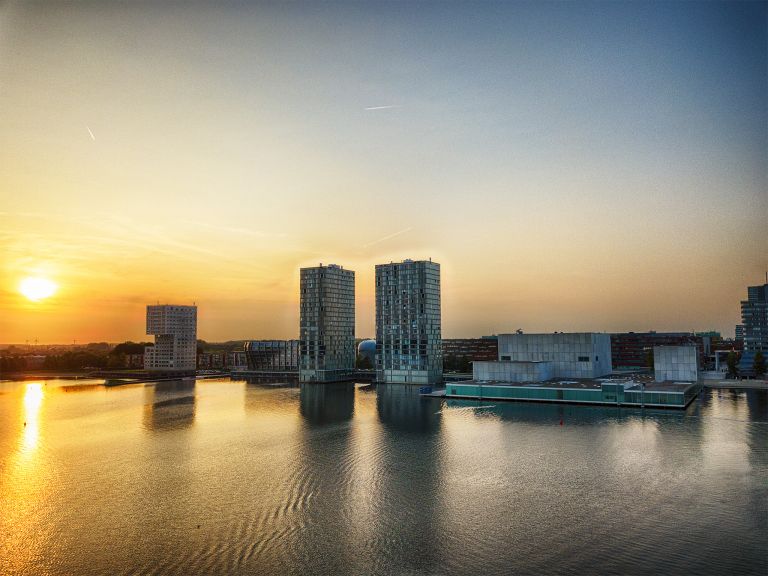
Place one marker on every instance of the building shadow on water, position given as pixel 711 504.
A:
pixel 400 407
pixel 549 413
pixel 409 468
pixel 329 403
pixel 170 405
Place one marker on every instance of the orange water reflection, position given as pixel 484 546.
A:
pixel 33 400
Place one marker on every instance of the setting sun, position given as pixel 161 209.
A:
pixel 35 288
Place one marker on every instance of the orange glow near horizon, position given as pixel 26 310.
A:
pixel 560 189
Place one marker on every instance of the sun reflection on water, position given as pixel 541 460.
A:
pixel 33 400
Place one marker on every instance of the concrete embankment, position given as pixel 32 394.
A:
pixel 750 384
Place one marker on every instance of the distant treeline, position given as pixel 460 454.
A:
pixel 96 355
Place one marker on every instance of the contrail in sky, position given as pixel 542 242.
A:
pixel 383 107
pixel 91 133
pixel 388 237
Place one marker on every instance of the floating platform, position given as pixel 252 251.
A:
pixel 635 392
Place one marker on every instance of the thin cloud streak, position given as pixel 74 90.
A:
pixel 91 133
pixel 389 237
pixel 388 107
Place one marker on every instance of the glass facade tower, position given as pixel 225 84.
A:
pixel 327 324
pixel 754 317
pixel 408 339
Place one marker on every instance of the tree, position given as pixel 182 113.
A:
pixel 129 348
pixel 759 364
pixel 732 362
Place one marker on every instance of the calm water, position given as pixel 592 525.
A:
pixel 227 477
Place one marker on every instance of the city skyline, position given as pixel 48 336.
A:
pixel 573 167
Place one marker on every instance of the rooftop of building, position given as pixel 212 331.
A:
pixel 550 333
pixel 409 261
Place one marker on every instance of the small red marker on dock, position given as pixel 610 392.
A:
pixel 561 421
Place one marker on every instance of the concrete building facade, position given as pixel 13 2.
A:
pixel 675 363
pixel 570 355
pixel 175 330
pixel 327 324
pixel 408 322
pixel 509 371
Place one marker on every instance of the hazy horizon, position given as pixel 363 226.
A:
pixel 573 167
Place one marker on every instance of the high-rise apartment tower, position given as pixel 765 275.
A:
pixel 327 324
pixel 408 339
pixel 175 331
pixel 754 317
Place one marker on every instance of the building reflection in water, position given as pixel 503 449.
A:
pixel 327 403
pixel 401 407
pixel 170 405
pixel 552 413
pixel 410 475
pixel 263 393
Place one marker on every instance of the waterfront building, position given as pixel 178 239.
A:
pixel 175 330
pixel 408 337
pixel 754 317
pixel 628 391
pixel 327 324
pixel 539 357
pixel 632 349
pixel 272 355
pixel 675 363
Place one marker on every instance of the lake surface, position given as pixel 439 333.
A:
pixel 227 477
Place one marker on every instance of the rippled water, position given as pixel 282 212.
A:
pixel 227 477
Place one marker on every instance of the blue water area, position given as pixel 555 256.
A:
pixel 222 477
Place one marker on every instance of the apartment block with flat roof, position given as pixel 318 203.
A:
pixel 327 324
pixel 754 318
pixel 175 330
pixel 408 333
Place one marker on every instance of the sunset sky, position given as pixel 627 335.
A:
pixel 572 166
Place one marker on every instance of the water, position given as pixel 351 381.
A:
pixel 226 477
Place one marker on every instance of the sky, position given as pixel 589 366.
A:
pixel 572 166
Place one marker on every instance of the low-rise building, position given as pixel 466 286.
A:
pixel 567 355
pixel 675 363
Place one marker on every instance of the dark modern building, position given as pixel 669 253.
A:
pixel 327 324
pixel 408 337
pixel 458 353
pixel 630 349
pixel 754 318
pixel 272 355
